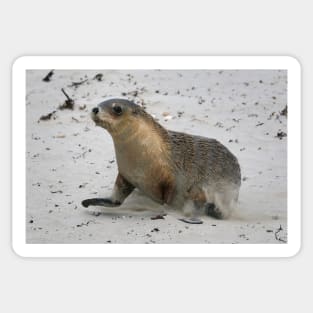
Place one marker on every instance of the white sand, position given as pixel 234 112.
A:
pixel 69 159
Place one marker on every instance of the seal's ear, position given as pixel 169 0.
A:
pixel 136 110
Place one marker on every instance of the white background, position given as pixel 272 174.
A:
pixel 164 27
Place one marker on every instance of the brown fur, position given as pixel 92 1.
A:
pixel 169 167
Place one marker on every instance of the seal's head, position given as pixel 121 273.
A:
pixel 116 115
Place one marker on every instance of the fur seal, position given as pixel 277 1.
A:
pixel 183 171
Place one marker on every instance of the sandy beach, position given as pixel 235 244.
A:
pixel 70 159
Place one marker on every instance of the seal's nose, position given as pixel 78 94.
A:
pixel 95 110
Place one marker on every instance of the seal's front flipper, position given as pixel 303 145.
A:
pixel 191 220
pixel 100 202
pixel 121 190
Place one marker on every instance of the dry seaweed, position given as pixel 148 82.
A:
pixel 47 116
pixel 69 102
pixel 47 78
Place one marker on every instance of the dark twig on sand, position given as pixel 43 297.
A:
pixel 76 84
pixel 69 102
pixel 47 78
pixel 47 116
pixel 280 135
pixel 276 235
pixel 85 224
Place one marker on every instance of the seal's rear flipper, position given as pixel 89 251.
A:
pixel 212 210
pixel 100 202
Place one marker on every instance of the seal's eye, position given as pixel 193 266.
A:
pixel 117 110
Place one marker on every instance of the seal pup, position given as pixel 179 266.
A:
pixel 183 171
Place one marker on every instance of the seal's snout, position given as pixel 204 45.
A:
pixel 95 110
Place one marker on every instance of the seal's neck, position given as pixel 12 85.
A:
pixel 142 137
pixel 139 128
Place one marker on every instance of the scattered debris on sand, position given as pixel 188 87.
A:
pixel 281 135
pixel 133 93
pixel 284 112
pixel 62 168
pixel 278 237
